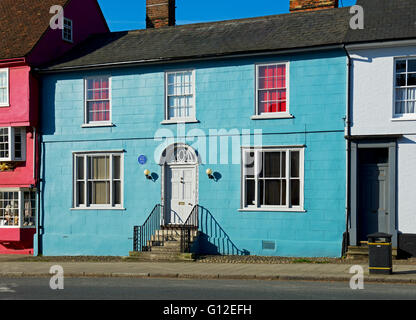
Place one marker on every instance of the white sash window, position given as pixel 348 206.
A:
pixel 272 178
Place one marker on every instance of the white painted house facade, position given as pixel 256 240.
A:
pixel 382 145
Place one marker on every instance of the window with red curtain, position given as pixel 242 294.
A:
pixel 271 88
pixel 98 99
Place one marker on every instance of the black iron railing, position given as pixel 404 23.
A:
pixel 189 229
pixel 154 232
pixel 148 233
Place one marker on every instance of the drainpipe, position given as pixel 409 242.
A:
pixel 348 150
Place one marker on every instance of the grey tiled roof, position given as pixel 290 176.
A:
pixel 384 20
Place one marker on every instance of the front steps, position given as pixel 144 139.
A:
pixel 165 245
pixel 361 252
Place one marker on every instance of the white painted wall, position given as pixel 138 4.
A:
pixel 373 109
pixel 407 184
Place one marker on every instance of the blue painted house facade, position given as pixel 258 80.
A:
pixel 255 140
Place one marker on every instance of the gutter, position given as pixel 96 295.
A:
pixel 186 59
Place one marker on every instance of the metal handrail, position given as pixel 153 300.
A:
pixel 146 233
pixel 153 230
pixel 191 224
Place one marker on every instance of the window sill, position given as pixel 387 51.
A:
pixel 4 105
pixel 272 210
pixel 165 122
pixel 99 208
pixel 97 125
pixel 272 116
pixel 17 227
pixel 411 117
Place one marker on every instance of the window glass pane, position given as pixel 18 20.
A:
pixel 29 208
pixel 18 143
pixel 411 65
pixel 248 164
pixel 295 192
pixel 98 111
pixel 80 168
pixel 81 192
pixel 116 167
pixel 273 192
pixel 401 80
pixel 250 192
pixel 401 66
pixel 100 193
pixel 411 94
pixel 400 107
pixel 117 192
pixel 9 209
pixel 411 79
pixel 410 107
pixel 100 167
pixel 401 94
pixel 294 164
pixel 272 164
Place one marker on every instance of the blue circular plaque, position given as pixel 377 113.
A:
pixel 142 159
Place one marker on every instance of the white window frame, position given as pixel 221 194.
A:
pixel 7 102
pixel 64 28
pixel 88 123
pixel 401 116
pixel 272 115
pixel 283 208
pixel 12 131
pixel 21 207
pixel 189 119
pixel 87 205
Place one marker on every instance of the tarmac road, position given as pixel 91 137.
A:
pixel 194 289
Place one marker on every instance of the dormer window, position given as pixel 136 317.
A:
pixel 67 30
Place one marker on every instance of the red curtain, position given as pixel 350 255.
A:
pixel 272 85
pixel 98 91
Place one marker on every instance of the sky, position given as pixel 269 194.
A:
pixel 131 14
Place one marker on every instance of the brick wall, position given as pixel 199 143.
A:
pixel 310 5
pixel 160 13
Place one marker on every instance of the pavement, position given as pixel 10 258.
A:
pixel 12 267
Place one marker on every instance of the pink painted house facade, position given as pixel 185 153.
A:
pixel 29 41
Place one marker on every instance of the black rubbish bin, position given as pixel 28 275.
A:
pixel 380 253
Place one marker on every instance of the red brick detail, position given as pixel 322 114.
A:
pixel 311 5
pixel 160 13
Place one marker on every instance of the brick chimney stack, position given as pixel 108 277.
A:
pixel 160 13
pixel 311 5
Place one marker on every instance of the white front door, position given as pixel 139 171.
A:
pixel 181 194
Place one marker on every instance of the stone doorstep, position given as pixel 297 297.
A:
pixel 161 256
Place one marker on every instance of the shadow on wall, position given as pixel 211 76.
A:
pixel 213 239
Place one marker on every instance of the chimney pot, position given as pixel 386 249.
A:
pixel 312 5
pixel 160 13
